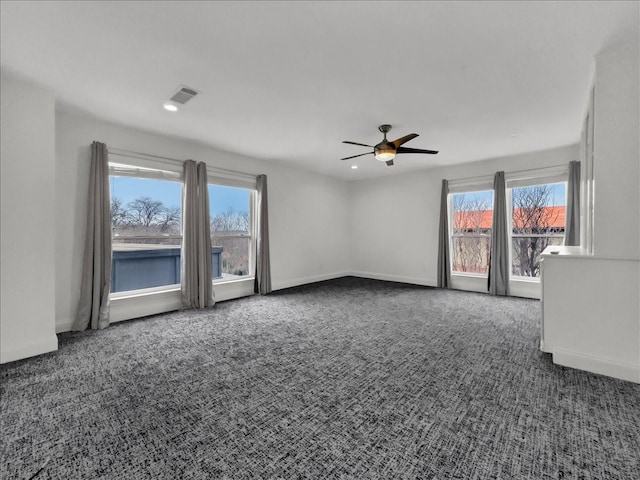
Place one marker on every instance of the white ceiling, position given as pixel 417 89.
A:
pixel 288 81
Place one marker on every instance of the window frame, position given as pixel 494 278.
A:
pixel 548 177
pixel 143 169
pixel 247 182
pixel 462 189
pixel 520 286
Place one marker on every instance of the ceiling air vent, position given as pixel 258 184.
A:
pixel 183 95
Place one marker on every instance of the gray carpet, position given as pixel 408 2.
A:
pixel 346 379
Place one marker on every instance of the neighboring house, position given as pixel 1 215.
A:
pixel 533 229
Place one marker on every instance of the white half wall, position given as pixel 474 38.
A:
pixel 394 233
pixel 591 312
pixel 27 261
pixel 308 212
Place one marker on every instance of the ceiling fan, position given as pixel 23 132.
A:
pixel 386 151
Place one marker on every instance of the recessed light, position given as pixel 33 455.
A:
pixel 515 135
pixel 170 107
pixel 354 167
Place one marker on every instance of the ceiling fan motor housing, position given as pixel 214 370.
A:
pixel 384 151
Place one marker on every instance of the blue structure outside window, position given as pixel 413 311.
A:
pixel 138 269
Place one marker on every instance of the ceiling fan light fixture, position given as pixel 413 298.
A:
pixel 384 154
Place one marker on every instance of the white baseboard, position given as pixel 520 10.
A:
pixel 544 347
pixel 393 278
pixel 603 366
pixel 29 349
pixel 64 325
pixel 305 280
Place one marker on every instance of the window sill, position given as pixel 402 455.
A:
pixel 145 292
pixel 525 279
pixel 233 280
pixel 468 275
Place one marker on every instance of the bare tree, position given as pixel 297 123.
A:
pixel 471 250
pixel 145 217
pixel 532 216
pixel 229 230
pixel 144 212
pixel 243 220
pixel 118 212
pixel 168 218
pixel 230 221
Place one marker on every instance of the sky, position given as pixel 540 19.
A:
pixel 169 193
pixel 222 198
pixel 557 189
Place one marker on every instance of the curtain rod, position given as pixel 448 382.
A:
pixel 528 170
pixel 174 161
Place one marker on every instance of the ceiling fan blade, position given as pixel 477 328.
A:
pixel 354 156
pixel 389 163
pixel 404 139
pixel 414 150
pixel 356 143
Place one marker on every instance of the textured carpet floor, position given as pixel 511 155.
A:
pixel 348 379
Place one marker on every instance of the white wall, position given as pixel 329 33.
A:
pixel 27 322
pixel 616 153
pixel 394 234
pixel 308 213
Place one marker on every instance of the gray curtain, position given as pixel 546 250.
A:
pixel 444 263
pixel 262 284
pixel 572 228
pixel 499 264
pixel 93 309
pixel 196 275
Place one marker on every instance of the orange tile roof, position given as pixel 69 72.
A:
pixel 482 219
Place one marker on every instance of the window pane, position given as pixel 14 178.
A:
pixel 525 258
pixel 471 254
pixel 471 226
pixel 538 220
pixel 229 208
pixel 146 236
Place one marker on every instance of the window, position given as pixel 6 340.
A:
pixel 472 217
pixel 537 221
pixel 146 225
pixel 535 208
pixel 231 210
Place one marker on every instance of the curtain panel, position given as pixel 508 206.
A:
pixel 93 308
pixel 572 225
pixel 196 276
pixel 499 257
pixel 262 283
pixel 444 262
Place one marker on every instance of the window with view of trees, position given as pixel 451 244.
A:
pixel 537 221
pixel 146 232
pixel 231 228
pixel 472 216
pixel 146 222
